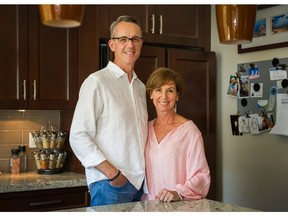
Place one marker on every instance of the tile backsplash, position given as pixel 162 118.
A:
pixel 14 131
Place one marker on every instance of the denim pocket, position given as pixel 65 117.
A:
pixel 115 186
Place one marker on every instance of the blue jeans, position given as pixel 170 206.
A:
pixel 103 193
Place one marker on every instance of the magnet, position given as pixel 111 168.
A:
pixel 244 102
pixel 273 90
pixel 275 62
pixel 284 83
pixel 256 87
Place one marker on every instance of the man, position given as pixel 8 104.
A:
pixel 109 127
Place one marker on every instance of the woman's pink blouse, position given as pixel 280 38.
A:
pixel 177 163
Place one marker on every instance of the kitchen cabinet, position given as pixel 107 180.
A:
pixel 198 101
pixel 38 63
pixel 88 43
pixel 45 200
pixel 13 56
pixel 185 25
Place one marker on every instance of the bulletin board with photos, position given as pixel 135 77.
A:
pixel 261 91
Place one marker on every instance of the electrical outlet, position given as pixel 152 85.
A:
pixel 31 141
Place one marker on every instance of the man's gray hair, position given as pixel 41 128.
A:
pixel 124 18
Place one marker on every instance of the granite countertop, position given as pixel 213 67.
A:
pixel 33 181
pixel 203 205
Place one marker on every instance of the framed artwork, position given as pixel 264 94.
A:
pixel 270 30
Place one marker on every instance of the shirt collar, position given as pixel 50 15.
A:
pixel 117 71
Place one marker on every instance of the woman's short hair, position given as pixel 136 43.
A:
pixel 162 76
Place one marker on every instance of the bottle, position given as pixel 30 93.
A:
pixel 15 162
pixel 23 159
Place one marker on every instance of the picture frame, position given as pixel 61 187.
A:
pixel 266 37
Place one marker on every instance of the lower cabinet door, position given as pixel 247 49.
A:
pixel 45 200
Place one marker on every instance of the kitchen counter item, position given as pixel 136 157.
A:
pixel 203 205
pixel 32 181
pixel 50 158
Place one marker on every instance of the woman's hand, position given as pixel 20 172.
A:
pixel 168 196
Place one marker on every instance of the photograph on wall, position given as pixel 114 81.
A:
pixel 235 125
pixel 260 28
pixel 253 72
pixel 279 24
pixel 244 87
pixel 276 30
pixel 266 123
pixel 254 124
pixel 233 89
pixel 243 124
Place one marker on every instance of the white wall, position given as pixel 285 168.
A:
pixel 252 169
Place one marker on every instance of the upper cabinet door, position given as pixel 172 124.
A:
pixel 187 25
pixel 13 57
pixel 183 25
pixel 38 64
pixel 52 65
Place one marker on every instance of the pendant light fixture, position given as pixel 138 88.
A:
pixel 62 16
pixel 235 23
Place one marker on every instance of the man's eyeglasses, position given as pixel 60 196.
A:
pixel 124 40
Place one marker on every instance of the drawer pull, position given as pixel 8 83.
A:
pixel 24 89
pixel 153 24
pixel 46 203
pixel 161 24
pixel 34 89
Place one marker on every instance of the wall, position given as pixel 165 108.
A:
pixel 252 169
pixel 14 131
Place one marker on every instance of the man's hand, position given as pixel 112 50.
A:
pixel 121 180
pixel 110 171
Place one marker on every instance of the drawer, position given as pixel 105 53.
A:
pixel 45 200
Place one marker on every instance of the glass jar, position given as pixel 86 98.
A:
pixel 15 161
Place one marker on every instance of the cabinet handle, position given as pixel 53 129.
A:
pixel 24 89
pixel 161 24
pixel 34 89
pixel 46 203
pixel 153 24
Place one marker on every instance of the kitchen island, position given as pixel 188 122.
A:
pixel 39 192
pixel 32 181
pixel 203 205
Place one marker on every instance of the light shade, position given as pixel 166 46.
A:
pixel 235 23
pixel 63 16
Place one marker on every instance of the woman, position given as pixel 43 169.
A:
pixel 176 166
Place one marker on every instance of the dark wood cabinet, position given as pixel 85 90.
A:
pixel 13 56
pixel 52 65
pixel 45 200
pixel 198 101
pixel 185 25
pixel 89 43
pixel 39 62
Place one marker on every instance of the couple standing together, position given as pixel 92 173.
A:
pixel 127 159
